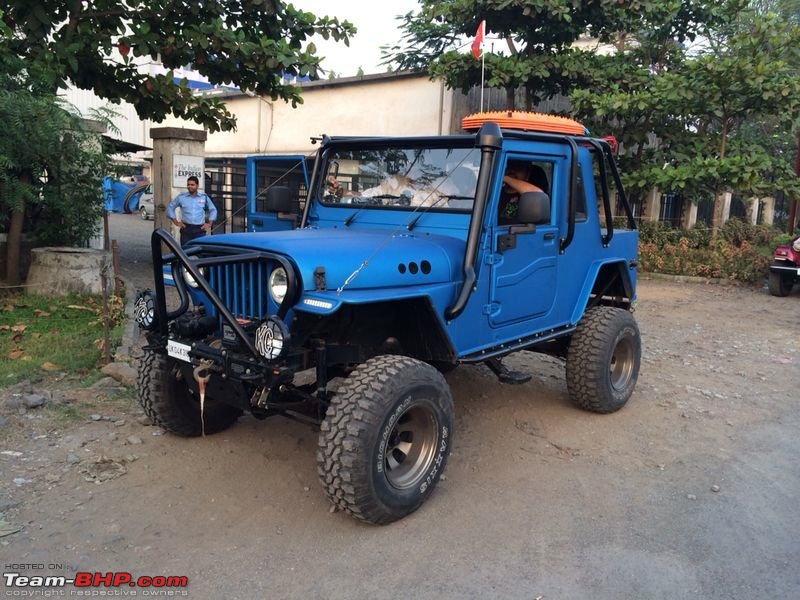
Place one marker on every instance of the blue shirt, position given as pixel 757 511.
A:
pixel 193 208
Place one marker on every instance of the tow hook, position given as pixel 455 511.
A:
pixel 202 373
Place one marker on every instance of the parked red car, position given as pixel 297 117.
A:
pixel 785 269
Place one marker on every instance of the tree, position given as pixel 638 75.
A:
pixel 713 117
pixel 99 45
pixel 51 164
pixel 539 34
pixel 249 44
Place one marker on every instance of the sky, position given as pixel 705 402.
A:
pixel 375 20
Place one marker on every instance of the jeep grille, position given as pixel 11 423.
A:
pixel 242 287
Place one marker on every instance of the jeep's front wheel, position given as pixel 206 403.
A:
pixel 385 439
pixel 780 284
pixel 603 359
pixel 171 402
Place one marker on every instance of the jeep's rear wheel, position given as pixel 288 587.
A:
pixel 169 400
pixel 780 284
pixel 603 359
pixel 385 439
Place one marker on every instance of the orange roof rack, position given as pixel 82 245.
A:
pixel 526 121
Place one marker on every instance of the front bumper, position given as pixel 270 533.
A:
pixel 785 269
pixel 242 284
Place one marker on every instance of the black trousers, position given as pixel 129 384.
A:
pixel 191 232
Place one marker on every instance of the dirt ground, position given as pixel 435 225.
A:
pixel 689 492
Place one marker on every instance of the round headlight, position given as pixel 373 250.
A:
pixel 144 310
pixel 278 284
pixel 272 338
pixel 190 280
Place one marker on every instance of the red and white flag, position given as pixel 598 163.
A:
pixel 477 43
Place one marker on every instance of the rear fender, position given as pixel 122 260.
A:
pixel 609 283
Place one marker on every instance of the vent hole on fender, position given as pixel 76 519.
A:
pixel 401 267
pixel 413 268
pixel 425 267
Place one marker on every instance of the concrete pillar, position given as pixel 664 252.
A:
pixel 725 207
pixel 752 210
pixel 652 206
pixel 689 217
pixel 177 153
pixel 768 212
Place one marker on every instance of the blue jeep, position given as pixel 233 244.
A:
pixel 405 262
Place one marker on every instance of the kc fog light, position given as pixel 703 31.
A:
pixel 272 337
pixel 144 310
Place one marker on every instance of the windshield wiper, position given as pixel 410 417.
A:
pixel 365 201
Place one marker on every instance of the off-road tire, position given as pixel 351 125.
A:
pixel 170 402
pixel 780 284
pixel 603 359
pixel 387 403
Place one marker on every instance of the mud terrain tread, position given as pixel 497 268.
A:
pixel 177 415
pixel 779 284
pixel 354 414
pixel 587 367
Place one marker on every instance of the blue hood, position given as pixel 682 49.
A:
pixel 394 258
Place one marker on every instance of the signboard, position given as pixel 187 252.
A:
pixel 183 166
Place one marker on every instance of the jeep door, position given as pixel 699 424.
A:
pixel 523 257
pixel 264 172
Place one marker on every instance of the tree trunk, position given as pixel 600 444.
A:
pixel 14 246
pixel 510 97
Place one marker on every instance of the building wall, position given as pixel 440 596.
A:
pixel 130 127
pixel 373 105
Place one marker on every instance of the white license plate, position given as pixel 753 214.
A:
pixel 178 350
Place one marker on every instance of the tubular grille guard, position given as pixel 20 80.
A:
pixel 260 263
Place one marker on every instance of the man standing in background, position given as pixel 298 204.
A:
pixel 198 212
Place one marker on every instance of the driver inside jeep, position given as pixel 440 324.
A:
pixel 517 181
pixel 399 189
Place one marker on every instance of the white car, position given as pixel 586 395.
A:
pixel 147 209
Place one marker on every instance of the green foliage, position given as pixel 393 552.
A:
pixel 718 119
pixel 540 36
pixel 50 162
pixel 738 231
pixel 721 261
pixel 97 44
pixel 741 252
pixel 661 234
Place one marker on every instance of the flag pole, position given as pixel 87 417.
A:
pixel 483 75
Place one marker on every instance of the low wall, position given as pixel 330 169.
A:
pixel 61 271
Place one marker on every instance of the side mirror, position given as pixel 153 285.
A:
pixel 278 199
pixel 534 208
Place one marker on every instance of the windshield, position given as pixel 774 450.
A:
pixel 403 178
